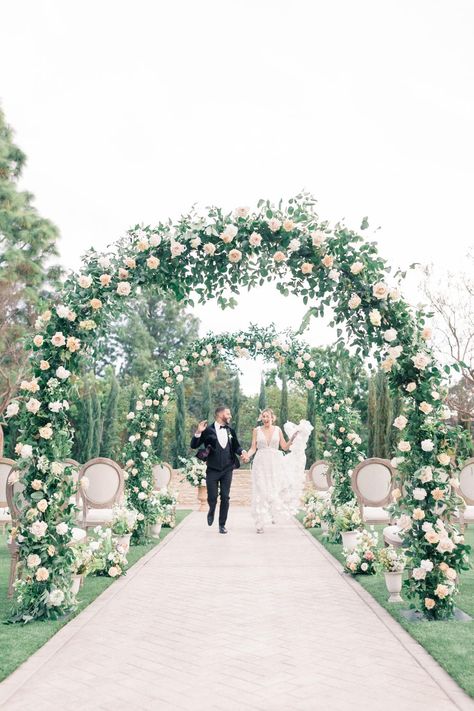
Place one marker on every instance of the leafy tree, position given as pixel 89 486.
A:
pixel 380 416
pixel 28 242
pixel 311 448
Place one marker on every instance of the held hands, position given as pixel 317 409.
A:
pixel 245 457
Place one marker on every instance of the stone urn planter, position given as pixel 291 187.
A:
pixel 123 541
pixel 202 498
pixel 76 583
pixel 155 530
pixel 393 581
pixel 349 539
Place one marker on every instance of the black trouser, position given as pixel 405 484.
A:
pixel 215 480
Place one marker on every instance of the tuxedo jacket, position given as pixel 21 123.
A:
pixel 208 438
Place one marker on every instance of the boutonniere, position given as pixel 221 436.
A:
pixel 229 434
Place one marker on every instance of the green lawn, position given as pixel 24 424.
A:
pixel 450 643
pixel 18 642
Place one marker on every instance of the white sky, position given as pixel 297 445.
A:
pixel 132 111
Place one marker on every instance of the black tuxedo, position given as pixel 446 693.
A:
pixel 220 464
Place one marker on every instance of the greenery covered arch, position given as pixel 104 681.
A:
pixel 212 256
pixel 338 417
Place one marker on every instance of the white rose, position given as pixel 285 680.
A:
pixel 62 373
pixel 419 493
pixel 13 409
pixel 354 301
pixel 390 335
pixel 318 238
pixel 33 560
pixel 380 290
pixel 84 281
pixel 404 446
pixel 62 528
pixel 241 212
pixel 419 573
pixel 426 565
pixel 38 528
pixel 444 459
pixel 421 360
pixel 427 445
pixel 375 317
pixel 425 407
pixel 26 451
pixel 209 248
pixel 104 262
pixel 33 405
pixel 255 239
pixel 55 598
pixel 177 249
pixel 123 288
pixel 410 387
pixel 357 267
pixel 400 422
pixel 274 224
pixel 195 242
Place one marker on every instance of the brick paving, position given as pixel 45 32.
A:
pixel 243 621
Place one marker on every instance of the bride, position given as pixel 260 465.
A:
pixel 277 481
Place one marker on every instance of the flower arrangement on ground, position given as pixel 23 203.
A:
pixel 108 557
pixel 317 509
pixel 193 471
pixel 391 560
pixel 362 560
pixel 347 517
pixel 124 520
pixel 164 502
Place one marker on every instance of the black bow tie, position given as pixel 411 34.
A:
pixel 224 427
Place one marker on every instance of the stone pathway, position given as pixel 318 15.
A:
pixel 233 622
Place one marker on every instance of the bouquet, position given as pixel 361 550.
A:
pixel 108 557
pixel 389 560
pixel 124 520
pixel 347 517
pixel 164 506
pixel 362 560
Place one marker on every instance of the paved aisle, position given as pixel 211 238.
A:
pixel 242 621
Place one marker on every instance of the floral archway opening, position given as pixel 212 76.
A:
pixel 337 414
pixel 209 256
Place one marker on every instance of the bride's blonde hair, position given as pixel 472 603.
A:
pixel 272 414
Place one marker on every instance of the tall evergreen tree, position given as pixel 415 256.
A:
pixel 311 449
pixel 262 398
pixel 84 427
pixel 97 422
pixel 380 416
pixel 206 396
pixel 371 416
pixel 236 403
pixel 109 440
pixel 284 397
pixel 180 448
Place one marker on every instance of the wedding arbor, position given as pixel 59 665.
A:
pixel 203 257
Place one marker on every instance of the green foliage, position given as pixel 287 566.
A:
pixel 262 398
pixel 96 423
pixel 311 447
pixel 109 440
pixel 206 404
pixel 180 448
pixel 284 396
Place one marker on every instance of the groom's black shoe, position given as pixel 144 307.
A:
pixel 222 529
pixel 210 518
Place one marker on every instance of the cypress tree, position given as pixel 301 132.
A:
pixel 380 405
pixel 397 409
pixel 108 443
pixel 206 396
pixel 311 454
pixel 96 422
pixel 180 448
pixel 158 444
pixel 284 397
pixel 84 428
pixel 262 398
pixel 371 417
pixel 236 403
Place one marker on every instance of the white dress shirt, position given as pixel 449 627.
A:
pixel 222 435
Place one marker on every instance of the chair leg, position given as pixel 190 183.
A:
pixel 13 571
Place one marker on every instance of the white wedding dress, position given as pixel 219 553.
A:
pixel 278 479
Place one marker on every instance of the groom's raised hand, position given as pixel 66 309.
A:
pixel 201 427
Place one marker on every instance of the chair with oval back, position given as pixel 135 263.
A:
pixel 372 482
pixel 162 473
pixel 14 488
pixel 103 491
pixel 6 465
pixel 465 489
pixel 319 474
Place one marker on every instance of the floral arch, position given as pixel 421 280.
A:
pixel 207 256
pixel 338 416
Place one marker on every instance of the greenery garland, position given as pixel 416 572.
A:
pixel 198 258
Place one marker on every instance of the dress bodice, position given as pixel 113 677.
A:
pixel 273 443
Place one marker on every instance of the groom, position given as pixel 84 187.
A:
pixel 221 441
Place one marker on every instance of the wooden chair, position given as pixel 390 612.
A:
pixel 372 483
pixel 14 488
pixel 105 489
pixel 466 492
pixel 320 476
pixel 6 465
pixel 162 473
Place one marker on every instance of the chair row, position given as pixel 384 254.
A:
pixel 373 481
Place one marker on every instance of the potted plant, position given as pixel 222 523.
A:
pixel 361 560
pixel 347 522
pixel 194 472
pixel 124 520
pixel 168 501
pixel 81 565
pixel 108 556
pixel 392 563
pixel 155 515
